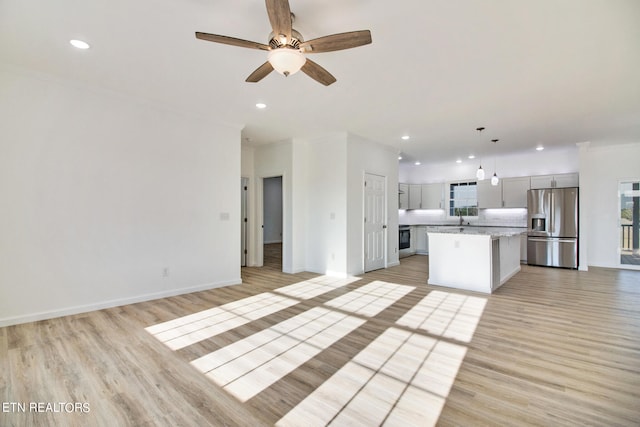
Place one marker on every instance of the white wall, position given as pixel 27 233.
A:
pixel 366 156
pixel 549 161
pixel 100 193
pixel 327 204
pixel 323 199
pixel 601 169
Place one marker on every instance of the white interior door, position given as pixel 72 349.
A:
pixel 375 221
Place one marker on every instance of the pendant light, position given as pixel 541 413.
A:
pixel 494 179
pixel 480 171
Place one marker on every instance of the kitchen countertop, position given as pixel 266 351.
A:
pixel 480 230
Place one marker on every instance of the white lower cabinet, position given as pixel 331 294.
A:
pixel 422 242
pixel 523 248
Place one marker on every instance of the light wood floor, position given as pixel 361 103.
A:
pixel 551 347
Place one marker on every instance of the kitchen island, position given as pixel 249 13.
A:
pixel 477 259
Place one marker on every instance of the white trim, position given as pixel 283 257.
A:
pixel 620 265
pixel 44 315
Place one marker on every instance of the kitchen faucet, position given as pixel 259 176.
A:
pixel 461 219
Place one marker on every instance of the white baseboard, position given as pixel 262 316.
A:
pixel 67 311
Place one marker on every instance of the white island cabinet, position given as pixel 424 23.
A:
pixel 477 259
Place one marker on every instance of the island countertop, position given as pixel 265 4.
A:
pixel 479 230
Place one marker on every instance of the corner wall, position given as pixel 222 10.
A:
pixel 601 169
pixel 326 226
pixel 107 200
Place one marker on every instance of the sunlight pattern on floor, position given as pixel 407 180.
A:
pixel 317 286
pixel 401 378
pixel 445 314
pixel 188 330
pixel 370 299
pixel 250 365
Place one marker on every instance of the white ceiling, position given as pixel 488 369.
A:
pixel 551 72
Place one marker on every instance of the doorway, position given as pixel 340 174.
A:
pixel 272 222
pixel 375 221
pixel 629 205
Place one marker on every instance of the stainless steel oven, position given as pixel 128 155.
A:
pixel 404 236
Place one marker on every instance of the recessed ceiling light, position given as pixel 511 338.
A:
pixel 399 157
pixel 458 161
pixel 261 105
pixel 471 156
pixel 79 44
pixel 405 137
pixel 539 148
pixel 417 163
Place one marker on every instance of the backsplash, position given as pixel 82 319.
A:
pixel 503 217
pixel 486 217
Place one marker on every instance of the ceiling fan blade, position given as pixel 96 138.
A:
pixel 337 42
pixel 231 41
pixel 317 73
pixel 260 73
pixel 280 17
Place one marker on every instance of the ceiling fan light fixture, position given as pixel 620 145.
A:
pixel 286 61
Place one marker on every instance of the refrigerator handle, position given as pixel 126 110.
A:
pixel 550 240
pixel 552 213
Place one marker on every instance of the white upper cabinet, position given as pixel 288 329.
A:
pixel 509 193
pixel 555 181
pixel 489 196
pixel 514 192
pixel 432 195
pixel 403 196
pixel 415 196
pixel 421 196
pixel 566 180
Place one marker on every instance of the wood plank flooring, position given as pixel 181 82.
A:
pixel 551 347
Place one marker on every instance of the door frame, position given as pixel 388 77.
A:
pixel 385 215
pixel 260 220
pixel 244 221
pixel 619 226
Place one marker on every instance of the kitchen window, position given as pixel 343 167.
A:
pixel 463 199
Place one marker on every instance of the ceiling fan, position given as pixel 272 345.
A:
pixel 287 48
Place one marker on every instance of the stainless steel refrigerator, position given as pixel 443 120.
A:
pixel 552 238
